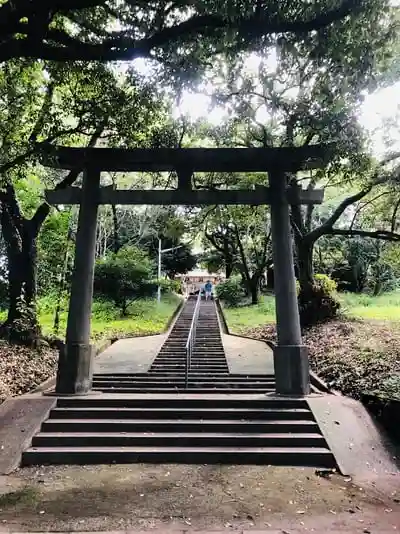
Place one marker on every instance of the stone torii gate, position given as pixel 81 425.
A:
pixel 74 375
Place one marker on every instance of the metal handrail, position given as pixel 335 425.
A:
pixel 191 340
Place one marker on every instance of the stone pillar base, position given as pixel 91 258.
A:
pixel 74 373
pixel 292 374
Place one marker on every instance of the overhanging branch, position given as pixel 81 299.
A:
pixel 61 46
pixel 375 234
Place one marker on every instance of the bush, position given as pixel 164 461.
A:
pixel 390 388
pixel 318 303
pixel 230 291
pixel 324 282
pixel 169 286
pixel 124 276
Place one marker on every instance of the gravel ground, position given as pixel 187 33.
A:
pixel 23 369
pixel 171 497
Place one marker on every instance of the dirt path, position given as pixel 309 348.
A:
pixel 190 497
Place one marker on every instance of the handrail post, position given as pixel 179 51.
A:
pixel 191 340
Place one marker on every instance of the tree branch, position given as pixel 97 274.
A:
pixel 328 224
pixel 364 205
pixel 394 216
pixel 376 234
pixel 242 254
pixel 44 209
pixel 65 47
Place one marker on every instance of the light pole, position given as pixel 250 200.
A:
pixel 160 253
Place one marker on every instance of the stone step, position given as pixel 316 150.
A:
pixel 261 386
pixel 181 352
pixel 210 368
pixel 169 439
pixel 182 364
pixel 194 363
pixel 181 413
pixel 176 401
pixel 173 389
pixel 178 426
pixel 134 375
pixel 194 372
pixel 313 457
pixel 179 377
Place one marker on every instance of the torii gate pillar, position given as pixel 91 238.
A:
pixel 74 375
pixel 292 375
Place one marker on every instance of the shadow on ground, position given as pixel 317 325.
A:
pixel 202 497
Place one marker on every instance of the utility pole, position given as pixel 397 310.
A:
pixel 159 271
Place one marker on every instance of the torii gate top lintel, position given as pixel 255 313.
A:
pixel 185 161
pixel 287 159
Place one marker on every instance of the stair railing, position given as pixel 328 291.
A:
pixel 191 340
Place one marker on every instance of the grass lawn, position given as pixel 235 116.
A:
pixel 244 317
pixel 145 317
pixel 386 307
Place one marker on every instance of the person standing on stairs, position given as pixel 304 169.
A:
pixel 208 289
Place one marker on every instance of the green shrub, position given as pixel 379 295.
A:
pixel 124 276
pixel 169 286
pixel 326 283
pixel 318 303
pixel 230 291
pixel 390 388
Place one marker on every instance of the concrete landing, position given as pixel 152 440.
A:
pixel 358 443
pixel 20 420
pixel 131 355
pixel 247 356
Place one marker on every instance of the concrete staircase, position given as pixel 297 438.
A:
pixel 209 371
pixel 196 429
pixel 220 419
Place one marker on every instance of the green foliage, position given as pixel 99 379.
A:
pixel 87 31
pixel 326 283
pixel 230 291
pixel 169 286
pixel 28 495
pixel 213 261
pixel 124 276
pixel 363 266
pixel 390 388
pixel 318 303
pixel 178 261
pixel 239 235
pixel 53 246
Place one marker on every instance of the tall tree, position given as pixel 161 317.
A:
pixel 41 105
pixel 308 90
pixel 240 234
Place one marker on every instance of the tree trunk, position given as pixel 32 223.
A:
pixel 305 263
pixel 21 324
pixel 315 304
pixel 228 268
pixel 116 241
pixel 254 291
